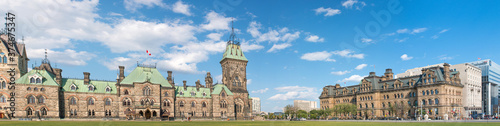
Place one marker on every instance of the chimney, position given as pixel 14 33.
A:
pixel 209 81
pixel 372 74
pixel 58 73
pixel 184 82
pixel 169 77
pixel 86 78
pixel 446 72
pixel 198 85
pixel 121 76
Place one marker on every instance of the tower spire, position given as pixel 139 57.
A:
pixel 46 60
pixel 232 37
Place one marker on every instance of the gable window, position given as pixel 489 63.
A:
pixel 91 88
pixel 125 92
pixel 73 87
pixel 72 101
pixel 223 94
pixel 38 80
pixel 108 89
pixel 192 93
pixel 32 80
pixel 181 93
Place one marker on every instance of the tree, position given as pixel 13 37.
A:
pixel 291 110
pixel 302 114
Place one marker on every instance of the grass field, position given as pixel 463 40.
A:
pixel 239 123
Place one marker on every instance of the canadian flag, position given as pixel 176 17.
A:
pixel 148 52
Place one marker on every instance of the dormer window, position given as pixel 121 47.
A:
pixel 38 80
pixel 32 80
pixel 181 93
pixel 192 93
pixel 91 88
pixel 204 94
pixel 108 89
pixel 73 87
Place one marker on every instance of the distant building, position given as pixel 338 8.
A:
pixel 255 105
pixel 305 105
pixel 471 79
pixel 490 80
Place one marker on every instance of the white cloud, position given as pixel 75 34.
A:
pixel 182 8
pixel 277 47
pixel 418 30
pixel 261 91
pixel 68 56
pixel 295 92
pixel 215 36
pixel 351 3
pixel 327 11
pixel 402 31
pixel 314 38
pixel 249 81
pixel 340 72
pixel 401 40
pixel 317 56
pixel 445 57
pixel 349 54
pixel 443 31
pixel 406 57
pixel 133 5
pixel 246 46
pixel 353 78
pixel 360 66
pixel 216 21
pixel 113 64
pixel 251 15
pixel 366 40
pixel 218 78
pixel 115 14
pixel 435 36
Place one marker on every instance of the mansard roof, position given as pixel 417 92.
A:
pixel 99 86
pixel 233 51
pixel 146 74
pixel 47 78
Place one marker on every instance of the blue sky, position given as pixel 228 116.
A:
pixel 294 47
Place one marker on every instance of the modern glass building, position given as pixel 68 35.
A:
pixel 490 83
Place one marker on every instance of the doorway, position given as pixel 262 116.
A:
pixel 147 114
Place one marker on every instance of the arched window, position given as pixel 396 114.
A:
pixel 360 106
pixel 366 105
pixel 29 111
pixel 166 103
pixel 223 94
pixel 125 92
pixel 2 99
pixel 42 89
pixel 91 101
pixel 38 80
pixel 373 106
pixel 432 92
pixel 41 99
pixel 35 89
pixel 32 80
pixel 147 91
pixel 91 88
pixel 31 99
pixel 237 81
pixel 193 104
pixel 430 102
pixel 72 101
pixel 383 105
pixel 126 102
pixel 204 94
pixel 43 111
pixel 108 101
pixel 427 92
pixel 415 103
pixel 423 101
pixel 165 94
pixel 437 92
pixel 181 104
pixel 4 59
pixel 181 93
pixel 436 101
pixel 423 92
pixel 193 93
pixel 203 104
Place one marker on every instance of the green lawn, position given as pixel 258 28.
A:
pixel 233 123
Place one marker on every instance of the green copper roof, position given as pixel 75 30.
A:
pixel 234 51
pixel 219 87
pixel 48 78
pixel 99 86
pixel 187 92
pixel 146 74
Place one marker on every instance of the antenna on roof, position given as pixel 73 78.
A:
pixel 22 40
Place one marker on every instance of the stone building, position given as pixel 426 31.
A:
pixel 143 94
pixel 305 105
pixel 19 64
pixel 437 92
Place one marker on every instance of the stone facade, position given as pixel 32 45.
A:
pixel 437 92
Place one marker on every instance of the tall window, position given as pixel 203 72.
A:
pixel 73 101
pixel 41 99
pixel 3 85
pixel 237 81
pixel 2 99
pixel 166 103
pixel 203 104
pixel 193 104
pixel 43 111
pixel 31 99
pixel 108 101
pixel 436 101
pixel 147 91
pixel 4 59
pixel 192 93
pixel 437 92
pixel 423 92
pixel 91 101
pixel 126 102
pixel 125 92
pixel 181 104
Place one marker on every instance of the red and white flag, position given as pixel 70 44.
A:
pixel 148 52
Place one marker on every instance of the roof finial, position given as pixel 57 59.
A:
pixel 45 53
